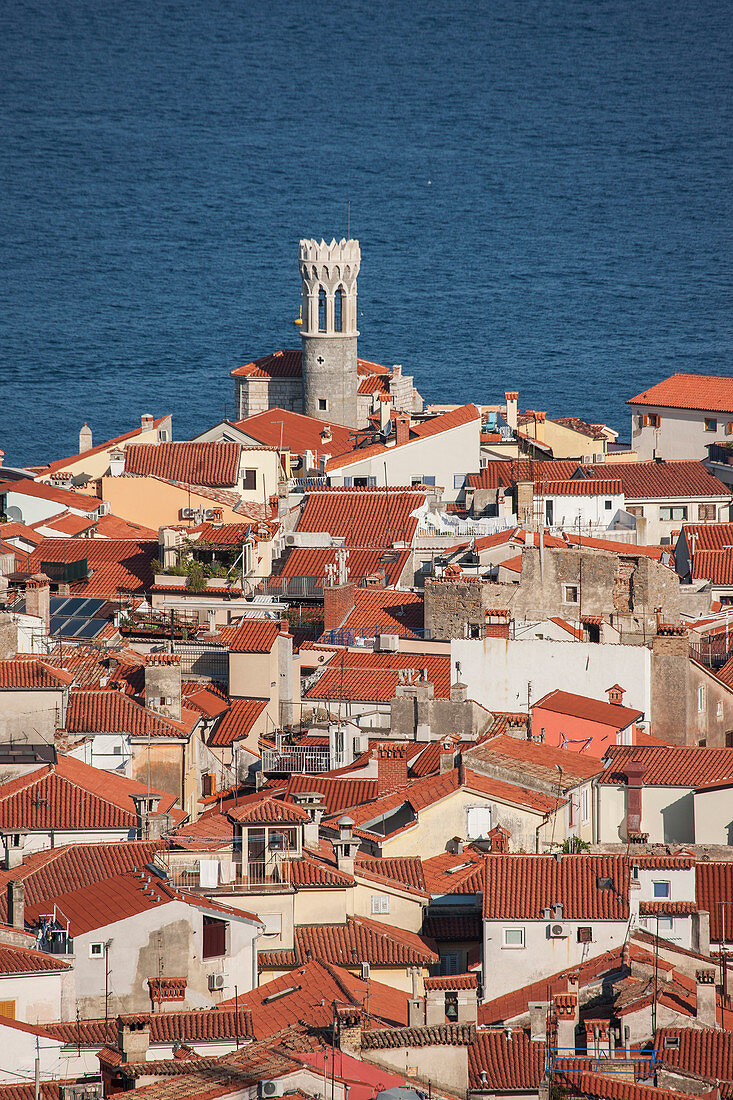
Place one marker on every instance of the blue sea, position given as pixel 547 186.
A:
pixel 542 191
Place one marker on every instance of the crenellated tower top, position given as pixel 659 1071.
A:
pixel 328 273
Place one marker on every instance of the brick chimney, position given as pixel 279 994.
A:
pixel 85 438
pixel 345 845
pixel 163 684
pixel 511 397
pixel 16 904
pixel 616 695
pixel 133 1038
pixel 566 1014
pixel 706 999
pixel 447 755
pixel 402 427
pixel 634 772
pixel 338 603
pixel 349 1024
pixel 38 599
pixel 146 422
pixel 391 767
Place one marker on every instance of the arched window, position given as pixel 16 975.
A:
pixel 321 310
pixel 338 301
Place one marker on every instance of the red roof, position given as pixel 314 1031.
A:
pixel 708 536
pixel 209 463
pixel 62 463
pixel 336 794
pixel 713 888
pixel 594 431
pixel 71 795
pixel 578 1083
pixel 268 811
pixel 454 981
pixel 27 673
pixel 670 765
pixel 305 561
pixel 237 722
pixel 580 487
pixel 106 710
pixel 726 673
pixel 250 636
pixel 401 872
pixel 630 549
pixel 28 960
pixel 358 940
pixel 363 517
pixel 115 564
pixel 278 364
pixel 225 534
pixel 67 523
pixel 58 870
pixel 281 428
pixel 373 677
pixel 519 887
pixel 715 566
pixel 705 1052
pixel 456 418
pixel 113 527
pixel 392 611
pixel 562 768
pixel 639 480
pixel 201 1025
pixel 513 1064
pixel 703 392
pixel 69 499
pixel 591 710
pixel 455 873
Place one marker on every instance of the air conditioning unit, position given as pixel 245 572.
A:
pixel 216 981
pixel 290 540
pixel 558 931
pixel 365 972
pixel 388 643
pixel 270 1088
pixel 188 513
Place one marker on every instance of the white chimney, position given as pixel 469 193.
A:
pixel 116 462
pixel 512 397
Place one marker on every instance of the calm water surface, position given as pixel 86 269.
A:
pixel 541 190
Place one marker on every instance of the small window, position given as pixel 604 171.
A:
pixel 711 424
pixel 703 742
pixel 459 480
pixel 450 963
pixel 117 750
pixel 428 479
pixel 570 593
pixel 585 934
pixel 706 512
pixel 338 310
pixel 549 513
pixel 608 505
pixel 322 404
pixel 661 889
pixel 321 310
pixel 96 950
pixel 665 924
pixel 585 805
pixel 729 739
pixel 513 937
pixel 700 699
pixel 673 513
pixel 249 480
pixel 671 1042
pixel 214 939
pixel 478 822
pixel 163 435
pixel 654 420
pixel 380 903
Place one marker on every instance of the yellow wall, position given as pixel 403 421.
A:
pixel 97 464
pixel 154 503
pixel 404 911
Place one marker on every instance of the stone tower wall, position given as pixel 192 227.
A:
pixel 329 356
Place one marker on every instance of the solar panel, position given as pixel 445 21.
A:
pixel 57 621
pixel 90 607
pixel 91 628
pixel 70 605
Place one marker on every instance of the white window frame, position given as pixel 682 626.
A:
pixel 585 805
pixel 661 882
pixel 380 903
pixel 513 946
pixel 700 698
pixel 96 954
pixel 480 810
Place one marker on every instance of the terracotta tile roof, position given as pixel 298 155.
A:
pixel 67 523
pixel 393 611
pixel 31 674
pixel 210 463
pixel 639 480
pixel 71 795
pixel 519 887
pixel 114 564
pixel 283 428
pixel 358 940
pixel 715 566
pixel 669 765
pixel 708 536
pixel 373 677
pixel 27 960
pixel 49 1090
pixel 337 794
pixel 250 636
pixel 62 463
pixel 58 870
pixel 668 908
pixel 372 383
pixel 454 873
pixel 705 1052
pixel 312 871
pixel 451 1035
pixel 201 1025
pixel 595 1087
pixel 107 710
pixel 267 811
pixel 82 502
pixel 19 531
pixel 453 927
pixel 725 674
pixel 278 364
pixel 511 1065
pixel 591 710
pixel 303 561
pixel 167 989
pixel 453 981
pixel 704 392
pixel 364 518
pixel 225 534
pixel 210 699
pixel 404 872
pixel 237 722
pixel 593 431
pixel 713 887
pixel 562 768
pixel 436 425
pixel 114 527
pixel 580 487
pixel 625 549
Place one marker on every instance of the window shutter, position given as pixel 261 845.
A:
pixel 348 482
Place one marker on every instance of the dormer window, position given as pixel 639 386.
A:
pixel 321 310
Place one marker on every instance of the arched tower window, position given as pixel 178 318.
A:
pixel 321 310
pixel 338 300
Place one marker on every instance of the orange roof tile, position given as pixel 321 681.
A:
pixel 67 523
pixel 66 497
pixel 358 940
pixel 237 722
pixel 250 636
pixel 337 794
pixel 106 710
pixel 62 463
pixel 704 392
pixel 639 480
pixel 715 566
pixel 561 767
pixel 200 1026
pixel 519 887
pixel 436 425
pixel 114 527
pixel 268 810
pixel 363 517
pixel 393 611
pixel 373 677
pixel 669 765
pixel 586 487
pixel 592 710
pixel 210 463
pixel 704 1052
pixel 282 428
pixel 713 887
pixel 630 549
pixel 28 673
pixel 27 960
pixel 305 561
pixel 512 1064
pixel 402 872
pixel 115 565
pixel 708 536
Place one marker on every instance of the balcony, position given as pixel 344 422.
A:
pixel 255 877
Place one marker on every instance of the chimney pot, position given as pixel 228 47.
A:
pixel 16 904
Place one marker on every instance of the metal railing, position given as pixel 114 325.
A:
pixel 294 759
pixel 252 877
pixel 558 1059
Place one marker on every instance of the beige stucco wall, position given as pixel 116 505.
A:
pixel 38 996
pixel 681 433
pixel 154 503
pixel 714 816
pixel 97 464
pixel 442 1066
pixel 404 911
pixel 35 713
